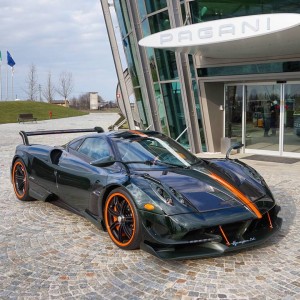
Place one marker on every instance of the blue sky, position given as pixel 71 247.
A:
pixel 57 36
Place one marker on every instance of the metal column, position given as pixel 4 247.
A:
pixel 117 61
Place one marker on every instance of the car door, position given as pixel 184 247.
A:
pixel 77 178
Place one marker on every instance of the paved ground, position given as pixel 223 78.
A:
pixel 49 253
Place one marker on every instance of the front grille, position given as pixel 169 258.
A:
pixel 230 234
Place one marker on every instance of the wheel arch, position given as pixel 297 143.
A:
pixel 19 155
pixel 103 199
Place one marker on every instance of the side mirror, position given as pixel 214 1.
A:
pixel 103 162
pixel 234 146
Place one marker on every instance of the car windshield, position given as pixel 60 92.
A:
pixel 159 150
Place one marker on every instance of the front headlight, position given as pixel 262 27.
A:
pixel 170 196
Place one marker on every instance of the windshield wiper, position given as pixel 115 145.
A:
pixel 155 163
pixel 199 161
pixel 109 161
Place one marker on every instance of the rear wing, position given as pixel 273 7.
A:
pixel 26 134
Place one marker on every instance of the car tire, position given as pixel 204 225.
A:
pixel 20 180
pixel 122 220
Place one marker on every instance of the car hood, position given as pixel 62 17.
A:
pixel 199 186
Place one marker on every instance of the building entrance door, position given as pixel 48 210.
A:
pixel 265 117
pixel 262 117
pixel 291 120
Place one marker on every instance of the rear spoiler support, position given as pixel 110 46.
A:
pixel 26 134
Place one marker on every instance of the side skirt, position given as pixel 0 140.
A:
pixel 86 214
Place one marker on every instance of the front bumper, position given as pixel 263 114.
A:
pixel 212 240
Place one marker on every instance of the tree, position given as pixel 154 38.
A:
pixel 65 85
pixel 83 101
pixel 32 84
pixel 49 90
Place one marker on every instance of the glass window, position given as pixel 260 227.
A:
pixel 123 18
pixel 183 12
pixel 192 67
pixel 74 145
pixel 291 118
pixel 156 149
pixel 142 9
pixel 95 148
pixel 233 111
pixel 131 55
pixel 174 109
pixel 159 22
pixel 150 52
pixel 161 109
pixel 195 89
pixel 141 106
pixel 154 5
pixel 166 63
pixel 202 11
pixel 278 67
pixel 146 28
pixel 260 123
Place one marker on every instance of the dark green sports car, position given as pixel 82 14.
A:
pixel 149 192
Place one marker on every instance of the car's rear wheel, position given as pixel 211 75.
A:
pixel 20 180
pixel 122 220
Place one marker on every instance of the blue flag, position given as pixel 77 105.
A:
pixel 10 60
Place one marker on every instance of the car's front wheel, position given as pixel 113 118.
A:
pixel 20 180
pixel 122 220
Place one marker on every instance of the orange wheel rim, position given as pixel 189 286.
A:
pixel 19 179
pixel 119 219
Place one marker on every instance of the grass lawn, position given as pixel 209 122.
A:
pixel 9 111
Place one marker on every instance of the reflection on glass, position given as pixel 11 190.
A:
pixel 291 140
pixel 161 109
pixel 166 62
pixel 265 68
pixel 199 115
pixel 131 55
pixel 192 66
pixel 233 111
pixel 150 52
pixel 123 18
pixel 154 5
pixel 159 22
pixel 174 108
pixel 142 9
pixel 262 116
pixel 141 107
pixel 202 11
pixel 156 148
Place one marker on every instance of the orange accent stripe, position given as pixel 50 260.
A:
pixel 271 225
pixel 138 133
pixel 224 235
pixel 238 194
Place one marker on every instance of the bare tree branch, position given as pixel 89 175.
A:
pixel 49 90
pixel 32 89
pixel 65 85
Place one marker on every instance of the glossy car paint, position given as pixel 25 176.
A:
pixel 204 217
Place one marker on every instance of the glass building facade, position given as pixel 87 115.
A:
pixel 199 101
pixel 165 85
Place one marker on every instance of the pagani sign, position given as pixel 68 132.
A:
pixel 221 31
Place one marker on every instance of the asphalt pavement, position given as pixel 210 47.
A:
pixel 49 253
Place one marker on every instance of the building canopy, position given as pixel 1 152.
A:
pixel 256 36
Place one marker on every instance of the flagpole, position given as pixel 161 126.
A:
pixel 6 82
pixel 0 75
pixel 12 83
pixel 11 63
pixel 0 81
